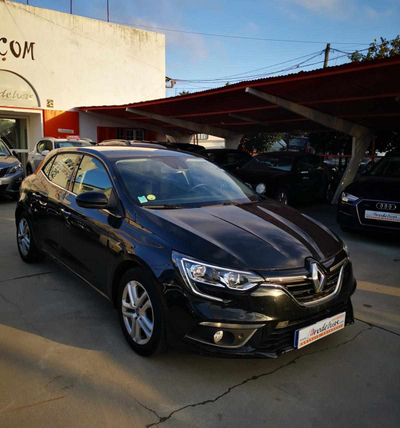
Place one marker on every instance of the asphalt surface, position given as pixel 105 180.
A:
pixel 65 363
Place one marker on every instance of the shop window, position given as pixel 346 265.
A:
pixel 120 133
pixel 134 134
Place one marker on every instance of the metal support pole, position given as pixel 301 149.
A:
pixel 108 10
pixel 327 50
pixel 70 7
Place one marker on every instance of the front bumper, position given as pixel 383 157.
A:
pixel 258 324
pixel 351 216
pixel 10 184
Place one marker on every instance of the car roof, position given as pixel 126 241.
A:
pixel 61 140
pixel 129 143
pixel 286 154
pixel 125 152
pixel 223 150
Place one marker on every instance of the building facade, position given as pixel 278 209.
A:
pixel 53 62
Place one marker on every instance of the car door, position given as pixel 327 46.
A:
pixel 46 197
pixel 310 176
pixel 85 231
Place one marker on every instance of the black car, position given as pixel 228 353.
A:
pixel 230 159
pixel 185 251
pixel 300 144
pixel 289 177
pixel 373 202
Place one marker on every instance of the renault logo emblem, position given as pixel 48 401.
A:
pixel 318 277
pixel 383 206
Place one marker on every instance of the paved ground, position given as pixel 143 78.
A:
pixel 65 363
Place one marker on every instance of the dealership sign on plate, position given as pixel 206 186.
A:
pixel 317 331
pixel 380 215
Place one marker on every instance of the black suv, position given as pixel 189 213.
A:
pixel 186 251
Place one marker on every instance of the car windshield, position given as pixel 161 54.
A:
pixel 61 144
pixel 4 151
pixel 297 143
pixel 268 161
pixel 388 167
pixel 180 181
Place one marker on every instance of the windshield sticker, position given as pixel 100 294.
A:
pixel 142 199
pixel 151 198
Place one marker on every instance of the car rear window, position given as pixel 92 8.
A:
pixel 297 143
pixel 61 144
pixel 268 161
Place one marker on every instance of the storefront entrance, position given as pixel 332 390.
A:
pixel 14 132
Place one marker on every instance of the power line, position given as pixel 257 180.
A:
pixel 230 36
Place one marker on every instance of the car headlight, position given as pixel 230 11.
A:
pixel 15 169
pixel 196 273
pixel 261 188
pixel 346 197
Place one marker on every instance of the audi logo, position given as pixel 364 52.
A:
pixel 383 206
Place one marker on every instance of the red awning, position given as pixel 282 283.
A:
pixel 366 93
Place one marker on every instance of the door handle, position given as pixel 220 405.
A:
pixel 66 213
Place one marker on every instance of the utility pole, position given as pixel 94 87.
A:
pixel 327 50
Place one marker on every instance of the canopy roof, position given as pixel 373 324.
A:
pixel 366 93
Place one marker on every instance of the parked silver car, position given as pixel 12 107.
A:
pixel 11 171
pixel 47 144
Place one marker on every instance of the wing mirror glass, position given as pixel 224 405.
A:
pixel 45 152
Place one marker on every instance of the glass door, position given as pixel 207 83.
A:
pixel 14 132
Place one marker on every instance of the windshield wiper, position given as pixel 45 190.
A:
pixel 162 207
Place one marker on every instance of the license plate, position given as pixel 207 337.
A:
pixel 382 216
pixel 312 333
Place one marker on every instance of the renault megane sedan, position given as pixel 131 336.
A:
pixel 185 251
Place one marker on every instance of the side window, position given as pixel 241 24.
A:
pixel 62 169
pixel 308 163
pixel 92 175
pixel 47 167
pixel 48 146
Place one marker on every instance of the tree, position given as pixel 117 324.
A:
pixel 260 141
pixel 184 93
pixel 377 50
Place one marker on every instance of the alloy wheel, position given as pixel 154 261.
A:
pixel 24 237
pixel 137 312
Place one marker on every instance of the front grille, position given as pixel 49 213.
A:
pixel 371 205
pixel 3 171
pixel 305 292
pixel 282 339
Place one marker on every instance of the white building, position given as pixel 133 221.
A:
pixel 52 62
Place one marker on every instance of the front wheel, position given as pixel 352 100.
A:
pixel 141 313
pixel 27 248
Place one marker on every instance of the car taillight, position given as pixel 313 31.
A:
pixel 38 168
pixel 307 149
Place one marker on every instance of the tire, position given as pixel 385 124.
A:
pixel 27 248
pixel 29 170
pixel 282 196
pixel 143 321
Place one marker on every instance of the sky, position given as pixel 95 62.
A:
pixel 347 24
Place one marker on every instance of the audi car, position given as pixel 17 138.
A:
pixel 186 252
pixel 372 203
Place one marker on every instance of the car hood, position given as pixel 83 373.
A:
pixel 370 187
pixel 256 177
pixel 260 235
pixel 6 162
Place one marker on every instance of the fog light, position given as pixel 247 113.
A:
pixel 218 336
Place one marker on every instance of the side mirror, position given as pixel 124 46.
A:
pixel 45 152
pixel 15 154
pixel 95 200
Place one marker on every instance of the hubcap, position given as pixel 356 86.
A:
pixel 282 197
pixel 24 236
pixel 137 312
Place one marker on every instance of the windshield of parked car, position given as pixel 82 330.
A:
pixel 388 167
pixel 180 181
pixel 297 143
pixel 4 151
pixel 61 144
pixel 268 161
